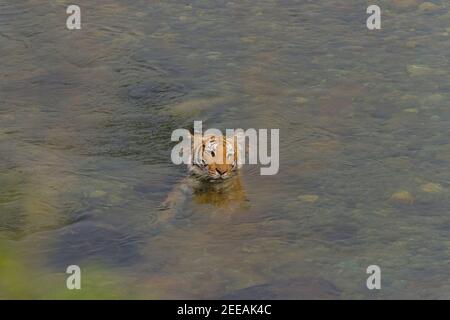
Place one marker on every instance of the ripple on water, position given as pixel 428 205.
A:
pixel 156 93
pixel 119 87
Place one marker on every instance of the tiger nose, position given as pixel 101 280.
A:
pixel 221 170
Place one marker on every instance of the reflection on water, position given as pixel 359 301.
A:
pixel 85 124
pixel 225 194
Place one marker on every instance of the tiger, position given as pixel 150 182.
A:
pixel 213 176
pixel 214 157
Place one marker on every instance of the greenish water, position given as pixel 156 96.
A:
pixel 85 124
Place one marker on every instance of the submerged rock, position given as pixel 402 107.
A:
pixel 402 197
pixel 429 7
pixel 97 194
pixel 432 188
pixel 311 198
pixel 301 100
pixel 298 288
pixel 435 118
pixel 419 70
pixel 405 3
pixel 434 98
pixel 87 241
pixel 411 44
pixel 195 106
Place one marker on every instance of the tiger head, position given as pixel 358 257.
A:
pixel 215 157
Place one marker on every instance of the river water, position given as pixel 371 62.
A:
pixel 85 123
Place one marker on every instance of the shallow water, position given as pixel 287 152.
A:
pixel 85 124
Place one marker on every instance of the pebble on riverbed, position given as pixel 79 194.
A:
pixel 429 7
pixel 402 197
pixel 405 3
pixel 432 188
pixel 411 110
pixel 97 194
pixel 311 198
pixel 435 118
pixel 420 70
pixel 301 100
pixel 195 106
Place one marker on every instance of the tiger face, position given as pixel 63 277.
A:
pixel 215 158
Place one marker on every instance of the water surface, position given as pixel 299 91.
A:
pixel 85 124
